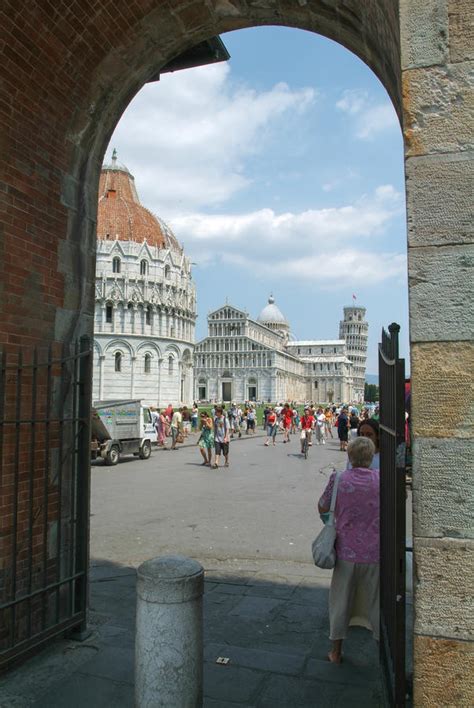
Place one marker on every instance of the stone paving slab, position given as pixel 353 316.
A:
pixel 85 690
pixel 232 683
pixel 269 619
pixel 260 659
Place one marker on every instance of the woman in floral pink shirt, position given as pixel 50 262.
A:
pixel 354 593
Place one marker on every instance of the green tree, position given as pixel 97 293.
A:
pixel 371 393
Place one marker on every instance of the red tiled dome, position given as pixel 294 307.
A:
pixel 120 214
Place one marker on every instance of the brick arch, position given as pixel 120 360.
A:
pixel 89 68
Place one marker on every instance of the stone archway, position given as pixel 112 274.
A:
pixel 67 77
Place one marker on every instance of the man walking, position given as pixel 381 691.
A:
pixel 221 437
pixel 176 425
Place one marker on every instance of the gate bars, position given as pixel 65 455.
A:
pixel 392 515
pixel 44 494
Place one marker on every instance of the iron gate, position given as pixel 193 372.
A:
pixel 392 514
pixel 44 494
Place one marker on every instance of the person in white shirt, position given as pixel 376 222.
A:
pixel 320 426
pixel 176 425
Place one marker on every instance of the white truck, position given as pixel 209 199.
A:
pixel 121 428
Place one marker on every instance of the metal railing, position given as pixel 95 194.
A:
pixel 44 493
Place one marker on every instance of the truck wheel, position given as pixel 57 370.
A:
pixel 113 456
pixel 145 450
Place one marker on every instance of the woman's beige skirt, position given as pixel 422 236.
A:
pixel 354 598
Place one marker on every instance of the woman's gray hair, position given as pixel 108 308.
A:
pixel 360 452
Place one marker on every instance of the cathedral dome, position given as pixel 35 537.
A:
pixel 271 315
pixel 121 216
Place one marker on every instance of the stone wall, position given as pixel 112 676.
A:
pixel 438 98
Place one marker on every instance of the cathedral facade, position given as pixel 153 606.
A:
pixel 243 359
pixel 145 300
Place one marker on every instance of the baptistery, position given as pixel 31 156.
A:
pixel 145 300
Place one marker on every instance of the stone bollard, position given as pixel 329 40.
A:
pixel 168 650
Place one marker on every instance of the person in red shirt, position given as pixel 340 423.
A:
pixel 271 426
pixel 287 417
pixel 307 427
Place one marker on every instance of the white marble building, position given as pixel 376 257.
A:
pixel 354 329
pixel 245 359
pixel 328 369
pixel 145 301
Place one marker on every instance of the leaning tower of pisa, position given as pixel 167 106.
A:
pixel 354 329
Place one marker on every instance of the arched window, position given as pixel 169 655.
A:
pixel 167 271
pixel 118 361
pixel 116 265
pixel 170 365
pixel 148 315
pixel 147 363
pixel 109 313
pixel 143 267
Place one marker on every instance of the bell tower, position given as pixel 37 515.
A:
pixel 354 329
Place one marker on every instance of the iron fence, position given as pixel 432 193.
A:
pixel 44 493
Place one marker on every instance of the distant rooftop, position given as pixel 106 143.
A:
pixel 315 342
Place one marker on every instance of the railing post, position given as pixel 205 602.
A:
pixel 169 644
pixel 83 416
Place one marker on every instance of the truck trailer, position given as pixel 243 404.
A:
pixel 121 428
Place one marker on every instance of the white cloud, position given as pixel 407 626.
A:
pixel 357 267
pixel 369 120
pixel 353 101
pixel 317 244
pixel 376 120
pixel 187 137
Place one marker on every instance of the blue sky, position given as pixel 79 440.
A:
pixel 280 171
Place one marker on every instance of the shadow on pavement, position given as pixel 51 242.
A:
pixel 268 618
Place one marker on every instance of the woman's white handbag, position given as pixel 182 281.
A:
pixel 324 553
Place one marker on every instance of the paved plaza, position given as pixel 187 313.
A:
pixel 265 604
